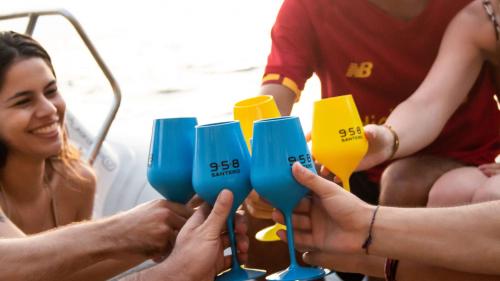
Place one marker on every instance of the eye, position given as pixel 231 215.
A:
pixel 51 92
pixel 22 102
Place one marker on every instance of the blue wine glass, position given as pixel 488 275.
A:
pixel 170 161
pixel 222 161
pixel 277 144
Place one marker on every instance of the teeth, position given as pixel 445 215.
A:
pixel 47 129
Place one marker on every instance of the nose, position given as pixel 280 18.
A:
pixel 45 107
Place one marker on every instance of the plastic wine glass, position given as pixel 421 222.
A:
pixel 277 144
pixel 170 161
pixel 248 111
pixel 338 138
pixel 222 161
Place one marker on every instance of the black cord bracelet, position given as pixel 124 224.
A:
pixel 369 238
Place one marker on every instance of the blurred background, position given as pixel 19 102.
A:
pixel 170 58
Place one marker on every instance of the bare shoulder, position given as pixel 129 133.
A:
pixel 475 22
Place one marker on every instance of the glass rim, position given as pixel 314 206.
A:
pixel 275 119
pixel 175 119
pixel 253 101
pixel 341 97
pixel 217 124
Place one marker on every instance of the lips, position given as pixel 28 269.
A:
pixel 47 131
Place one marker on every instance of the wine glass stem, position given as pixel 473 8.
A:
pixel 289 237
pixel 234 253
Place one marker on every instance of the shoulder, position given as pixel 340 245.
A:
pixel 475 22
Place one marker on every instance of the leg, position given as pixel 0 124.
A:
pixel 406 182
pixel 489 191
pixel 456 187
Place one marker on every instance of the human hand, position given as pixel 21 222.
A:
pixel 380 142
pixel 491 169
pixel 380 145
pixel 150 229
pixel 257 207
pixel 333 220
pixel 198 253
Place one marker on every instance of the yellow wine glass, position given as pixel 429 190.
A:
pixel 338 138
pixel 247 111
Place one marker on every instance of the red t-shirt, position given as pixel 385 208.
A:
pixel 356 48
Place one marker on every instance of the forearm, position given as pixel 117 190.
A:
pixel 283 97
pixel 105 270
pixel 468 234
pixel 53 255
pixel 166 271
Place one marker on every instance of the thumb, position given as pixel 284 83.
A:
pixel 217 218
pixel 320 186
pixel 370 132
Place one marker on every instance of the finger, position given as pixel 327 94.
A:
pixel 195 202
pixel 242 243
pixel 304 206
pixel 370 132
pixel 240 223
pixel 278 217
pixel 322 187
pixel 308 136
pixel 302 240
pixel 217 218
pixel 180 209
pixel 301 222
pixel 198 217
pixel 337 180
pixel 174 220
pixel 324 172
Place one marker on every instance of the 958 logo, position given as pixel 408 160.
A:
pixel 350 134
pixel 225 167
pixel 304 159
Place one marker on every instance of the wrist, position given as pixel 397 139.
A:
pixel 392 144
pixel 364 220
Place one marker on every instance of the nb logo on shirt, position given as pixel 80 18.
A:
pixel 359 70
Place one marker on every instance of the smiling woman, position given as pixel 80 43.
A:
pixel 43 181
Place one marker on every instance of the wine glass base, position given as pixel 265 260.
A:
pixel 299 273
pixel 240 274
pixel 269 234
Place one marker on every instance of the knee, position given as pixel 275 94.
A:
pixel 399 186
pixel 456 187
pixel 489 191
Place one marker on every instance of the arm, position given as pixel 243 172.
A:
pixel 406 271
pixel 54 255
pixel 59 253
pixel 461 238
pixel 175 215
pixel 469 234
pixel 456 68
pixel 283 97
pixel 198 253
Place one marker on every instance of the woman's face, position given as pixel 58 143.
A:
pixel 31 110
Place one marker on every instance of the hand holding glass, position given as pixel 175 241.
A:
pixel 222 161
pixel 277 144
pixel 338 138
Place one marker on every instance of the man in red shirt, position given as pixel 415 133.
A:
pixel 380 51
